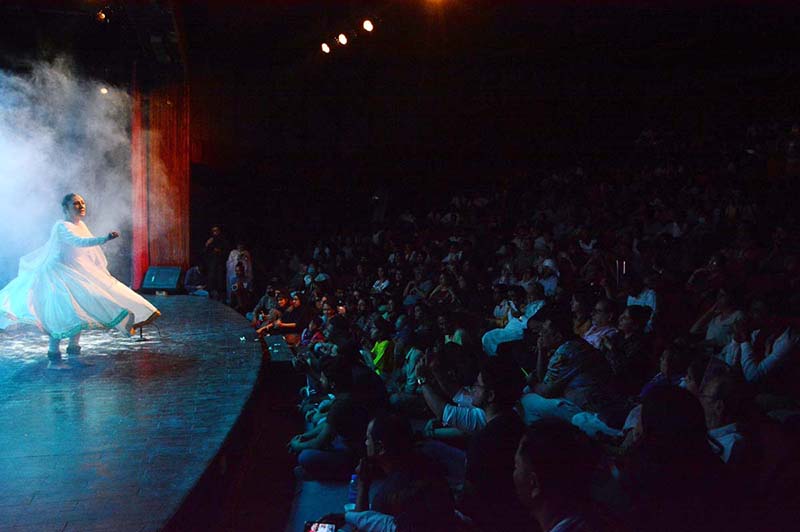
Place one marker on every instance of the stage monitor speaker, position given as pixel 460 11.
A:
pixel 166 278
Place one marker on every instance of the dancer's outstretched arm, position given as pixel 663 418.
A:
pixel 66 234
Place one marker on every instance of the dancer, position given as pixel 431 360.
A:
pixel 64 288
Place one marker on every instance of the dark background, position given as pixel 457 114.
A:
pixel 444 95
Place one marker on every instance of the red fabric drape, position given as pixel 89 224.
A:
pixel 168 160
pixel 160 172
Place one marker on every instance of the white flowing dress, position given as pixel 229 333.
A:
pixel 64 288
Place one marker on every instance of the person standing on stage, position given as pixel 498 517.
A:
pixel 64 288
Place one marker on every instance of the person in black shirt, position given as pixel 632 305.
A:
pixel 332 448
pixel 489 497
pixel 215 255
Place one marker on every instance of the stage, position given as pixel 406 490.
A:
pixel 118 445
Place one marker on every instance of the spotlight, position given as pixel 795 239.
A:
pixel 342 38
pixel 367 25
pixel 104 15
pixel 103 90
pixel 326 48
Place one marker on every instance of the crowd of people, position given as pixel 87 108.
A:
pixel 608 349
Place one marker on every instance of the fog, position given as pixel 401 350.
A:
pixel 59 133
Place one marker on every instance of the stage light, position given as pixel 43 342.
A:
pixel 103 90
pixel 104 15
pixel 367 25
pixel 342 39
pixel 326 48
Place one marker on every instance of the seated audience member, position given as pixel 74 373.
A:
pixel 422 322
pixel 571 375
pixel 488 497
pixel 417 289
pixel 428 508
pixel 470 293
pixel 266 316
pixel 382 352
pixel 405 394
pixel 672 371
pixel 267 302
pixel 444 293
pixel 327 310
pixel 390 452
pixel 269 323
pixel 602 323
pixel 628 353
pixel 333 447
pixel 644 294
pixel 672 366
pixel 723 398
pixel 709 279
pixel 764 348
pixel 293 320
pixel 362 317
pixel 548 277
pixel 382 283
pixel 312 334
pixel 519 313
pixel 675 477
pixel 553 471
pixel 716 324
pixel 581 308
pixel 451 331
pixel 442 381
pixel 195 281
pixel 403 329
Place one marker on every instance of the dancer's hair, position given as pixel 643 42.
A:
pixel 67 200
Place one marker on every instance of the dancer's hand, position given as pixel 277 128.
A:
pixel 112 235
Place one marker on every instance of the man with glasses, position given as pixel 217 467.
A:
pixel 488 496
pixel 602 323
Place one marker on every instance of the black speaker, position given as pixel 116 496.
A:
pixel 167 278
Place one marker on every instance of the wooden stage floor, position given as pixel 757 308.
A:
pixel 119 445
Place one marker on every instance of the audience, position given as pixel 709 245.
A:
pixel 582 277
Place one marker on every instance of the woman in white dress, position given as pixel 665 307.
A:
pixel 64 288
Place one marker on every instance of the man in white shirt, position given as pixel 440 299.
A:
pixel 765 349
pixel 514 329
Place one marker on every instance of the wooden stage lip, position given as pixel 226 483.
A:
pixel 119 445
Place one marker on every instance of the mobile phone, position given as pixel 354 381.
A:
pixel 319 526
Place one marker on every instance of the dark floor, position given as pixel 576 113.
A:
pixel 120 444
pixel 251 485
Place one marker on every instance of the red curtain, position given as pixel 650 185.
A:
pixel 140 252
pixel 160 173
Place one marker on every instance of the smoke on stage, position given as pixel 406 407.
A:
pixel 61 133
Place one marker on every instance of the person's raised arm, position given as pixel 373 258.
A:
pixel 702 322
pixel 754 369
pixel 435 401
